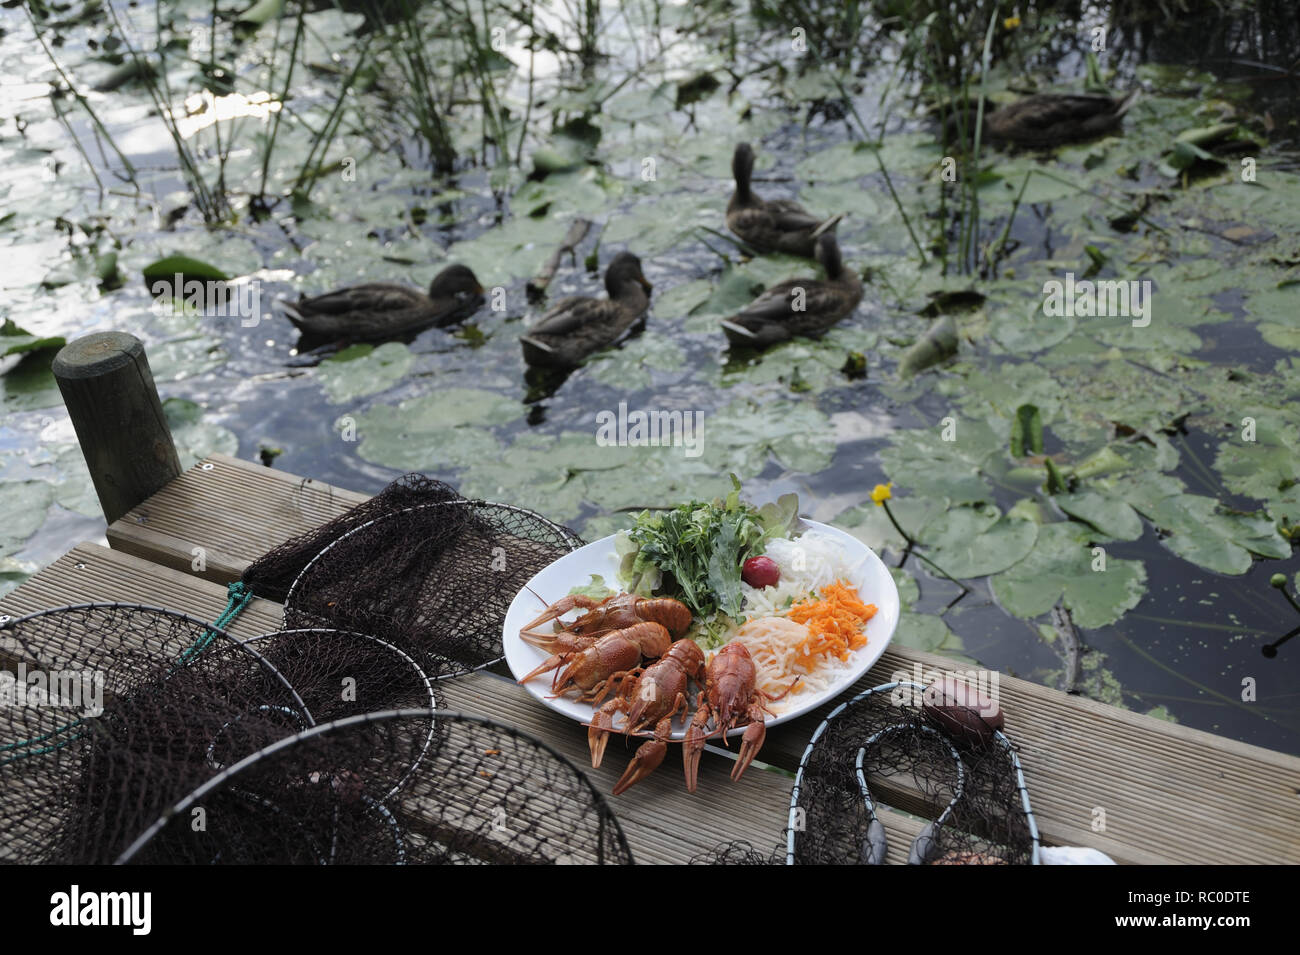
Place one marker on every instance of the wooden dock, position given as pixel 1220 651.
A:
pixel 1142 790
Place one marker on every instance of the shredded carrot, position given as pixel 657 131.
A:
pixel 834 620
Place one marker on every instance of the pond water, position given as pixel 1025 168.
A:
pixel 1176 440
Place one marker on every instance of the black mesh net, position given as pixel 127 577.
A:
pixel 883 748
pixel 400 787
pixel 139 706
pixel 272 574
pixel 148 704
pixel 435 579
pixel 339 673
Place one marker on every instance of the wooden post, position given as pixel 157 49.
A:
pixel 110 395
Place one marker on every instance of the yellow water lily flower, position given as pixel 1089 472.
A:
pixel 880 493
pixel 1010 23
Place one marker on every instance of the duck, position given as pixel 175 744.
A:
pixel 773 316
pixel 1045 120
pixel 771 225
pixel 575 327
pixel 378 310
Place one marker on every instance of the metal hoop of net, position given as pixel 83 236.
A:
pixel 140 705
pixel 483 794
pixel 435 580
pixel 881 746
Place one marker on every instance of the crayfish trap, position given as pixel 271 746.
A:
pixel 392 788
pixel 417 566
pixel 140 706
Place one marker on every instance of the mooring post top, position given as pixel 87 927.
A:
pixel 96 354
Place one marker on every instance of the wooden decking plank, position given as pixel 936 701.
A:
pixel 212 509
pixel 663 822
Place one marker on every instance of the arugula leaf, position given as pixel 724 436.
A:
pixel 695 553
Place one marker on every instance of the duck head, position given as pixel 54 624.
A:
pixel 623 272
pixel 455 281
pixel 742 167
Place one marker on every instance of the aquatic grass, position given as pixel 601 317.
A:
pixel 212 204
pixel 405 44
pixel 801 10
pixel 268 146
pixel 100 129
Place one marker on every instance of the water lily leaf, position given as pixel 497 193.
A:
pixel 871 525
pixel 22 511
pixel 29 384
pixel 448 427
pixel 656 226
pixel 925 464
pixel 166 269
pixel 938 344
pixel 629 367
pixel 16 341
pixel 1062 566
pixel 975 541
pixel 362 370
pixel 1267 469
pixel 1203 534
pixel 908 589
pixel 262 12
pixel 196 438
pixel 1111 516
pixel 1026 431
pixel 741 437
pixel 923 631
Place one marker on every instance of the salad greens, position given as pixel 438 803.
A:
pixel 694 553
pixel 595 588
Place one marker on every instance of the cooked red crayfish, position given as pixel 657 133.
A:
pixel 612 613
pixel 647 695
pixel 730 696
pixel 602 645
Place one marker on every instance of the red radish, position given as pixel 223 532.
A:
pixel 760 572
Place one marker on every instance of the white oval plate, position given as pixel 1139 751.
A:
pixel 871 578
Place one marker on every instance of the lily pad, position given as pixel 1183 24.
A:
pixel 448 427
pixel 926 464
pixel 364 370
pixel 975 541
pixel 1062 566
pixel 22 511
pixel 16 341
pixel 926 632
pixel 1201 532
pixel 1111 516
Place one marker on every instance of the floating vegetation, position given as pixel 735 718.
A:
pixel 1135 466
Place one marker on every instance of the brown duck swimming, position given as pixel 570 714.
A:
pixel 799 306
pixel 573 328
pixel 1051 119
pixel 770 225
pixel 379 310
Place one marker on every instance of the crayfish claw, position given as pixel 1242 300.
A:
pixel 692 749
pixel 644 762
pixel 750 744
pixel 557 610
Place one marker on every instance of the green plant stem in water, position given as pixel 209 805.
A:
pixel 912 543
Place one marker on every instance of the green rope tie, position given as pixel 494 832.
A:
pixel 238 597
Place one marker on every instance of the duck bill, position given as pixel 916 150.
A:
pixel 645 284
